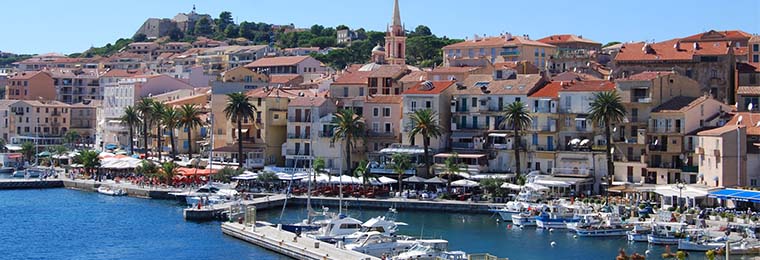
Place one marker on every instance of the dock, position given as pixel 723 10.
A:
pixel 217 211
pixel 283 242
pixel 453 206
pixel 31 183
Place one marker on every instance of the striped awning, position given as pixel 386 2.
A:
pixel 737 195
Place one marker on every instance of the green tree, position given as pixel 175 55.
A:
pixel 424 122
pixel 59 151
pixel 607 109
pixel 203 27
pixel 131 119
pixel 140 37
pixel 2 145
pixel 341 27
pixel 231 31
pixel 401 163
pixel 323 42
pixel 362 171
pixel 239 108
pixel 146 168
pixel 171 119
pixel 376 37
pixel 158 118
pixel 516 117
pixel 70 138
pixel 247 30
pixel 348 127
pixel 318 166
pixel 90 162
pixel 422 30
pixel 451 167
pixel 175 34
pixel 145 110
pixel 610 44
pixel 225 174
pixel 168 170
pixel 225 19
pixel 190 118
pixel 316 29
pixel 267 177
pixel 27 149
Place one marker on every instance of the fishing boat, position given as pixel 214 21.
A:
pixel 667 233
pixel 377 244
pixel 744 247
pixel 110 191
pixel 585 221
pixel 511 208
pixel 611 225
pixel 639 232
pixel 524 219
pixel 431 250
pixel 556 217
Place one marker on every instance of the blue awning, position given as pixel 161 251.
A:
pixel 737 195
pixel 110 146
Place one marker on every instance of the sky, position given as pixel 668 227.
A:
pixel 75 25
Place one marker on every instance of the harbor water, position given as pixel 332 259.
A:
pixel 69 224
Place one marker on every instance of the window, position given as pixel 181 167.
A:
pixel 568 121
pixel 388 127
pixel 375 127
pixel 474 102
pixel 428 104
pixel 535 139
pixel 361 92
pixel 471 52
pixel 375 112
pixel 635 114
pixel 482 52
pixel 386 111
pixel 413 105
pixel 755 57
pixel 345 91
pixel 755 47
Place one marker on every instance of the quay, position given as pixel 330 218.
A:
pixel 220 211
pixel 87 185
pixel 283 242
pixel 33 183
pixel 453 206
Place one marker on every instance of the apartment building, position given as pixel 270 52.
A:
pixel 573 52
pixel 503 48
pixel 309 134
pixel 383 120
pixel 30 85
pixel 39 121
pixel 722 157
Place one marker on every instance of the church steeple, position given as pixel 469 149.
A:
pixel 396 14
pixel 395 39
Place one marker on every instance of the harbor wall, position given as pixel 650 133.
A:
pixel 30 184
pixel 403 204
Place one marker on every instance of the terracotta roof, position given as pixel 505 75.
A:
pixel 74 73
pixel 438 87
pixel 26 75
pixel 569 75
pixel 587 86
pixel 514 64
pixel 551 90
pixel 307 101
pixel 497 41
pixel 522 85
pixel 384 99
pixel 282 78
pixel 721 130
pixel 747 67
pixel 713 35
pixel 48 103
pixel 165 55
pixel 647 75
pixel 680 104
pixel 565 38
pixel 352 78
pixel 669 50
pixel 281 92
pixel 388 71
pixel 277 61
pixel 414 76
pixel 463 69
pixel 741 51
pixel 749 120
pixel 748 90
pixel 122 73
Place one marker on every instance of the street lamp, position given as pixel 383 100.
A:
pixel 680 185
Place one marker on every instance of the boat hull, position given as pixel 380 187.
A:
pixel 695 246
pixel 657 240
pixel 525 221
pixel 601 232
pixel 553 223
pixel 637 237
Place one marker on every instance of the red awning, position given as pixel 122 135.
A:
pixel 194 171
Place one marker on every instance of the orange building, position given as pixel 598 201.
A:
pixel 30 85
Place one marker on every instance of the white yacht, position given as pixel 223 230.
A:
pixel 433 249
pixel 211 192
pixel 377 244
pixel 111 191
pixel 511 208
pixel 337 229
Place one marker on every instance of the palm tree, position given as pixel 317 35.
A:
pixel 363 171
pixel 70 138
pixel 27 148
pixel 451 167
pixel 145 108
pixel 90 161
pixel 425 123
pixel 401 163
pixel 239 108
pixel 171 119
pixel 131 118
pixel 168 171
pixel 518 118
pixel 607 109
pixel 318 166
pixel 189 118
pixel 158 118
pixel 348 127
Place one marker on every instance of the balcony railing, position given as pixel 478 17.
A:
pixel 548 148
pixel 297 152
pixel 663 165
pixel 658 148
pixel 580 172
pixel 299 136
pixel 671 129
pixel 381 134
pixel 461 145
pixel 643 100
pixel 306 119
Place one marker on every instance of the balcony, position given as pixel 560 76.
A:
pixel 658 148
pixel 297 152
pixel 55 113
pixel 544 148
pixel 664 165
pixel 665 130
pixel 382 134
pixel 551 127
pixel 690 169
pixel 462 145
pixel 509 53
pixel 306 119
pixel 299 136
pixel 572 172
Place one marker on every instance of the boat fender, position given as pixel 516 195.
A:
pixel 553 243
pixel 509 226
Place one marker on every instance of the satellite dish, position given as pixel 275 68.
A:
pixel 656 141
pixel 681 156
pixel 614 129
pixel 740 120
pixel 758 124
pixel 749 107
pixel 612 150
pixel 736 104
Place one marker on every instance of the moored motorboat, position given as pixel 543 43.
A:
pixel 611 225
pixel 376 244
pixel 511 208
pixel 524 219
pixel 666 233
pixel 108 190
pixel 431 250
pixel 639 232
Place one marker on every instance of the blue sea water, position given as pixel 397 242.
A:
pixel 69 224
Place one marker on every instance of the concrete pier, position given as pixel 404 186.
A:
pixel 214 212
pixel 401 204
pixel 131 189
pixel 282 242
pixel 13 184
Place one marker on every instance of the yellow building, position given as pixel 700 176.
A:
pixel 500 49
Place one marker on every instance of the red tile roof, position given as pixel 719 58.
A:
pixel 463 69
pixel 569 75
pixel 587 86
pixel 741 51
pixel 721 130
pixel 522 84
pixel 282 78
pixel 307 101
pixel 496 41
pixel 277 61
pixel 749 120
pixel 565 38
pixel 551 90
pixel 747 67
pixel 25 75
pixel 680 104
pixel 388 71
pixel 748 90
pixel 438 87
pixel 713 35
pixel 122 73
pixel 415 76
pixel 352 78
pixel 670 50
